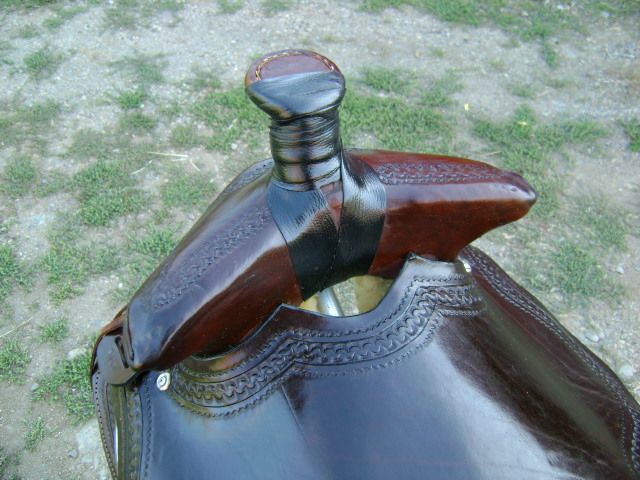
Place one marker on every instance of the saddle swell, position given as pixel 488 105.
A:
pixel 452 375
pixel 233 268
pixel 457 373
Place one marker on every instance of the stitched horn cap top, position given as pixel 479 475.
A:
pixel 288 62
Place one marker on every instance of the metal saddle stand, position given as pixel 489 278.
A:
pixel 213 371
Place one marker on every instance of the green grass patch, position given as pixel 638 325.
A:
pixel 42 63
pixel 186 191
pixel 156 244
pixel 54 332
pixel 145 70
pixel 186 136
pixel 522 90
pixel 91 144
pixel 106 191
pixel 606 225
pixel 69 385
pixel 229 7
pixel 146 251
pixel 137 122
pixel 35 433
pixel 69 266
pixel 19 176
pixel 528 20
pixel 14 360
pixel 131 100
pixel 231 116
pixel 395 123
pixel 576 271
pixel 11 273
pixel 204 80
pixel 129 14
pixel 271 7
pixel 21 124
pixel 387 80
pixel 530 148
pixel 62 15
pixel 28 31
pixel 632 129
pixel 439 91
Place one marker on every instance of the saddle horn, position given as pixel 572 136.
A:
pixel 313 215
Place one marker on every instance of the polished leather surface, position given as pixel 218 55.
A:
pixel 453 375
pixel 233 268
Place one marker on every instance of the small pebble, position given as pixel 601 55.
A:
pixel 593 337
pixel 34 387
pixel 620 269
pixel 73 453
pixel 76 352
pixel 627 371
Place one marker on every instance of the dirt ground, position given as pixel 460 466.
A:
pixel 90 53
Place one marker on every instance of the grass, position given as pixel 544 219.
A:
pixel 395 123
pixel 69 263
pixel 7 461
pixel 145 70
pixel 522 90
pixel 528 20
pixel 27 124
pixel 187 191
pixel 131 100
pixel 14 360
pixel 35 433
pixel 229 7
pixel 271 7
pixel 106 191
pixel 11 273
pixel 28 31
pixel 606 226
pixel 62 15
pixel 136 122
pixel 387 80
pixel 531 149
pixel 632 129
pixel 68 384
pixel 186 136
pixel 204 80
pixel 42 63
pixel 19 176
pixel 54 332
pixel 577 272
pixel 438 93
pixel 128 14
pixel 231 116
pixel 145 252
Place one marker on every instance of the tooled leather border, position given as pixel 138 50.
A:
pixel 303 353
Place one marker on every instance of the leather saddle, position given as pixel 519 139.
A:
pixel 213 371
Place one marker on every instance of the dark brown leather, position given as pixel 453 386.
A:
pixel 233 268
pixel 453 375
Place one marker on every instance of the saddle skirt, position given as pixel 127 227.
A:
pixel 457 373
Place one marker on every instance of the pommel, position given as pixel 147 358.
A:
pixel 288 62
pixel 301 92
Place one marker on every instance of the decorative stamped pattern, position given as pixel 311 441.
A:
pixel 173 284
pixel 303 353
pixel 428 173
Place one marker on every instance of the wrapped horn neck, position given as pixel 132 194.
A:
pixel 303 106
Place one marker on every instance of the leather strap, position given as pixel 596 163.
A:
pixel 322 255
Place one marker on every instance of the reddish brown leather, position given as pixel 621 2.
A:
pixel 288 62
pixel 233 269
